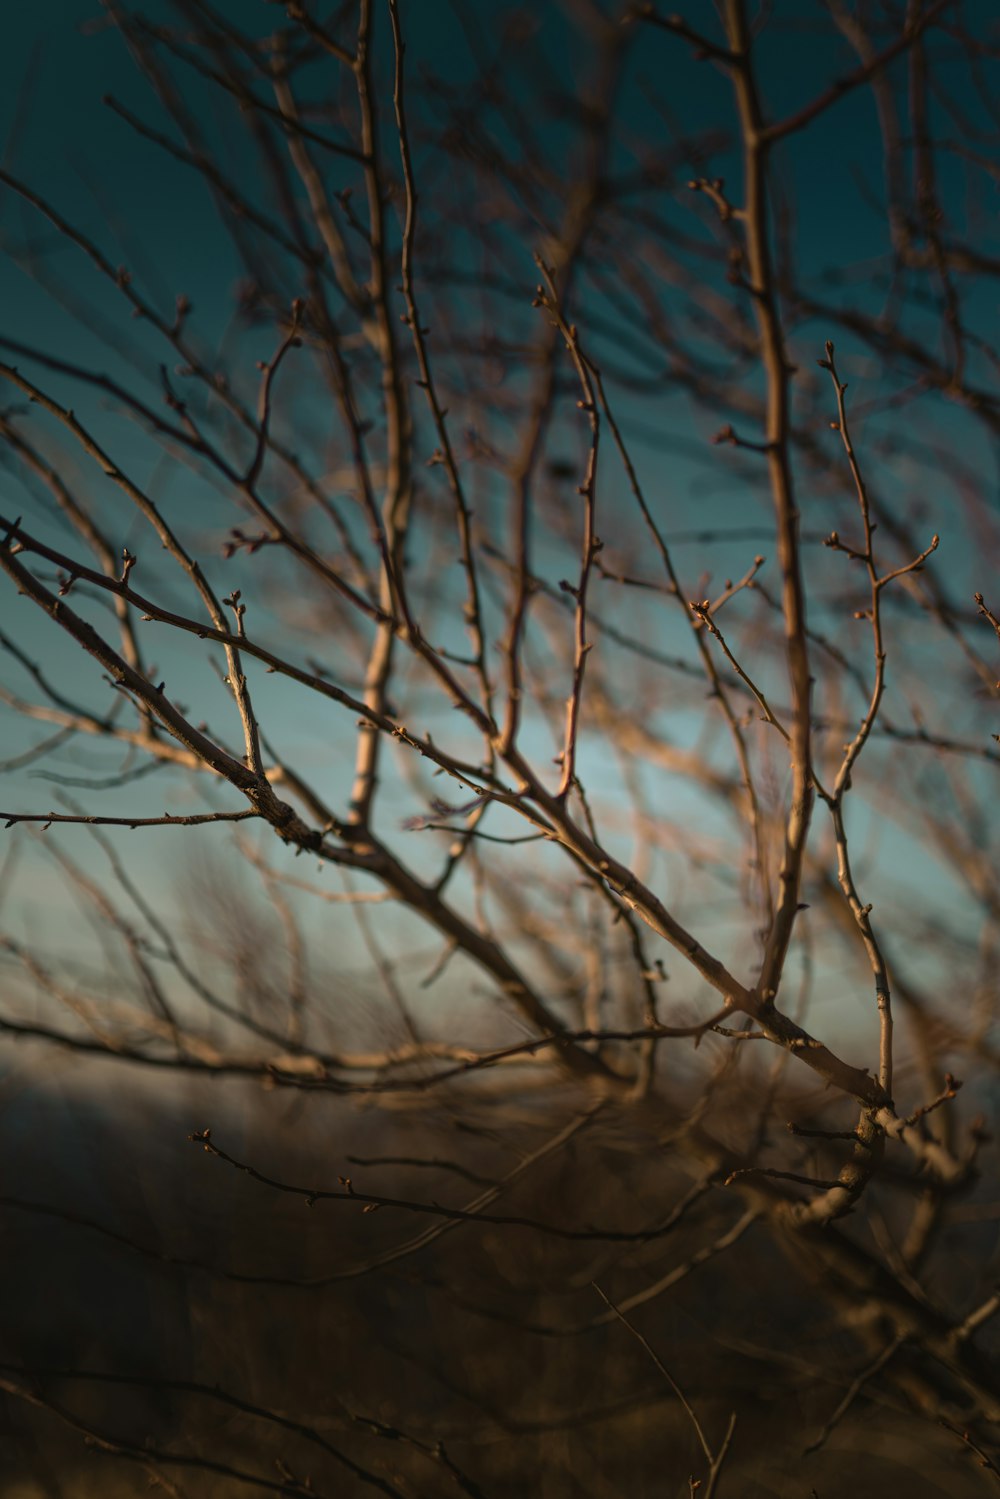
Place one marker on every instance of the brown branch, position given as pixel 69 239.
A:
pixel 189 820
pixel 591 544
pixel 835 798
pixel 445 453
pixel 221 1397
pixel 777 432
pixel 857 1384
pixel 858 76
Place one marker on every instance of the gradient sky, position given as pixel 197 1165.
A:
pixel 62 57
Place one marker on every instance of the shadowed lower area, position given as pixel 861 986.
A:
pixel 188 1328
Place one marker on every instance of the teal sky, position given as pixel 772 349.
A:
pixel 59 62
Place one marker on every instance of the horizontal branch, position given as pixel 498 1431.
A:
pixel 168 820
pixel 371 1202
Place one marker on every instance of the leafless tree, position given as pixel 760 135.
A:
pixel 516 548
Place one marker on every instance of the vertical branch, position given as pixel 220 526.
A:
pixel 926 192
pixel 445 454
pixel 835 799
pixel 591 543
pixel 755 816
pixel 760 269
pixel 564 254
pixel 398 491
pixel 524 584
pixel 312 181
